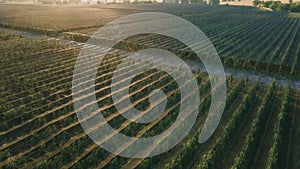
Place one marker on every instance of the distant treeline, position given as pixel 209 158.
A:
pixel 209 2
pixel 278 5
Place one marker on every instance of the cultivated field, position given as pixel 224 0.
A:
pixel 260 50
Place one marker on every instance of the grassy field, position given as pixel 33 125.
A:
pixel 39 127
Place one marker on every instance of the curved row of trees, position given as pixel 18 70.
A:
pixel 213 158
pixel 276 151
pixel 250 146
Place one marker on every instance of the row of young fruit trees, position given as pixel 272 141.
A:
pixel 39 127
pixel 244 37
